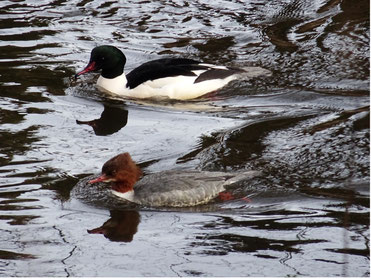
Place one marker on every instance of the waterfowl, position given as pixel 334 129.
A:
pixel 174 78
pixel 172 188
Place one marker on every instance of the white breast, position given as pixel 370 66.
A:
pixel 115 85
pixel 129 196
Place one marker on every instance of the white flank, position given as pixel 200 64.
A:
pixel 214 66
pixel 179 88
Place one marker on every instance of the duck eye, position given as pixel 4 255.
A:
pixel 100 58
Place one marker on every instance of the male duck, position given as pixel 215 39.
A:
pixel 174 78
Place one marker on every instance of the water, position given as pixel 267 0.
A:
pixel 306 127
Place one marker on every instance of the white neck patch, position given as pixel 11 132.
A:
pixel 129 195
pixel 115 85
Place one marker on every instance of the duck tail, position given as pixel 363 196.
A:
pixel 247 175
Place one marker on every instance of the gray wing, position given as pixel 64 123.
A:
pixel 174 188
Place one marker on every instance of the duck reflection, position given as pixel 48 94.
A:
pixel 121 226
pixel 111 121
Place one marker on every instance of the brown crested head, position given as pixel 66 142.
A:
pixel 121 170
pixel 121 167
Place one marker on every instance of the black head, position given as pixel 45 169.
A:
pixel 109 59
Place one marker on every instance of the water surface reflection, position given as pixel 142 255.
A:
pixel 111 121
pixel 121 226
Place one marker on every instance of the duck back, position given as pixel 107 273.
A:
pixel 184 188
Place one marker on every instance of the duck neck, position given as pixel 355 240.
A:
pixel 113 85
pixel 124 191
pixel 122 186
pixel 113 72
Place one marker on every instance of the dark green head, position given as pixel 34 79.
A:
pixel 109 59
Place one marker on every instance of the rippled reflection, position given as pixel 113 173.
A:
pixel 121 226
pixel 111 121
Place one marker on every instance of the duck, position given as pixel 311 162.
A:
pixel 172 78
pixel 171 188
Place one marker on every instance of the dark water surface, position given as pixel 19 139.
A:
pixel 306 127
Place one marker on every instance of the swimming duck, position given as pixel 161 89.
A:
pixel 168 188
pixel 174 78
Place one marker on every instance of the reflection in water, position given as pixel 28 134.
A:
pixel 121 226
pixel 111 121
pixel 7 255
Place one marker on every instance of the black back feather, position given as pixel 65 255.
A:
pixel 161 68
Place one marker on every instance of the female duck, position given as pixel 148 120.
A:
pixel 168 188
pixel 175 78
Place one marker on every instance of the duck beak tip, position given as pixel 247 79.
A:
pixel 101 178
pixel 89 68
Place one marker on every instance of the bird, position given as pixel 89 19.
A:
pixel 172 78
pixel 171 188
